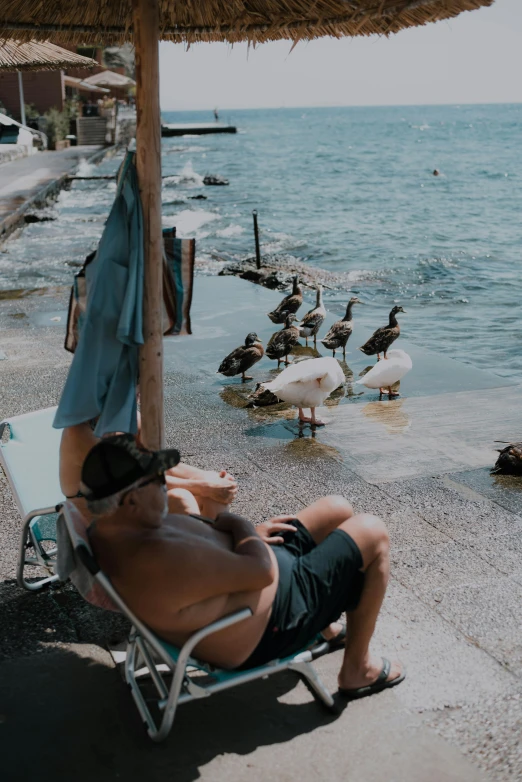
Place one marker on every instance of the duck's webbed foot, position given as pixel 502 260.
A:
pixel 303 419
pixel 246 377
pixel 316 421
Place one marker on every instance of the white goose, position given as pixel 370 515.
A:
pixel 385 373
pixel 307 384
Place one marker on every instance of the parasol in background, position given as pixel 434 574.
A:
pixel 110 79
pixel 145 22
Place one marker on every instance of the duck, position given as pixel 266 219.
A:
pixel 384 375
pixel 289 305
pixel 381 339
pixel 260 397
pixel 306 384
pixel 313 320
pixel 341 331
pixel 281 343
pixel 510 460
pixel 243 357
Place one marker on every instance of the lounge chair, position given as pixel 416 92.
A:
pixel 30 459
pixel 191 678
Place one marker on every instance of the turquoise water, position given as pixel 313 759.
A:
pixel 346 189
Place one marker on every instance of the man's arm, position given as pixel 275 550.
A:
pixel 191 571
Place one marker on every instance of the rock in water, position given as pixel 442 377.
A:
pixel 215 180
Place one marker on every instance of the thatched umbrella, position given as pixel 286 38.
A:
pixel 37 56
pixel 146 22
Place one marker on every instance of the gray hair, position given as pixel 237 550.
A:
pixel 110 504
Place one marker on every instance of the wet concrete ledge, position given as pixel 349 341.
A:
pixel 41 190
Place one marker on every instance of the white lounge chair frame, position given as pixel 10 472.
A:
pixel 30 459
pixel 146 650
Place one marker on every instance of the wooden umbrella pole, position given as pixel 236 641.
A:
pixel 148 161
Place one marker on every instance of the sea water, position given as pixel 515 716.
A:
pixel 349 190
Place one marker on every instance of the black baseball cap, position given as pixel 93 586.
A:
pixel 117 462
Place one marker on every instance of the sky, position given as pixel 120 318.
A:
pixel 475 58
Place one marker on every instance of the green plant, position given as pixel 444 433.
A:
pixel 71 108
pixel 31 112
pixel 57 126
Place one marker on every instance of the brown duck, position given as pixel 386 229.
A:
pixel 313 320
pixel 281 343
pixel 381 339
pixel 509 461
pixel 341 331
pixel 243 357
pixel 289 305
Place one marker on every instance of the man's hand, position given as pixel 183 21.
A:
pixel 268 530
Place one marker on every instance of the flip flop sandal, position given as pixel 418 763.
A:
pixel 378 685
pixel 323 646
pixel 338 641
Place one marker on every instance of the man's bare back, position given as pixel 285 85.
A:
pixel 160 571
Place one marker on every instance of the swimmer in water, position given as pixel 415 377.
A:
pixel 436 172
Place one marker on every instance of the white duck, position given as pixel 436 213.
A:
pixel 385 373
pixel 307 384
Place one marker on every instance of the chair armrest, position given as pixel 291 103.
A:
pixel 214 627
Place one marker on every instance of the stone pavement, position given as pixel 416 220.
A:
pixel 453 613
pixel 22 181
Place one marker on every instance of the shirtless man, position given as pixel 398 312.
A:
pixel 189 489
pixel 178 573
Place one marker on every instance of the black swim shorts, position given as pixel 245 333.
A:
pixel 317 582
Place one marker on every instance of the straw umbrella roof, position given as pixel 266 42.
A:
pixel 39 56
pixel 255 21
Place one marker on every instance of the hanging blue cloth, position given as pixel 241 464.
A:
pixel 104 371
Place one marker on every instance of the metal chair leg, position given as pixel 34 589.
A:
pixel 25 540
pixel 314 684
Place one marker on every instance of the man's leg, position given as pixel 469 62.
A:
pixel 182 501
pixel 359 668
pixel 320 519
pixel 324 515
pixel 211 509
